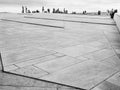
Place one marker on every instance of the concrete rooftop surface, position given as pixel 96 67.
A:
pixel 59 52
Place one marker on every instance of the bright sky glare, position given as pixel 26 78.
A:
pixel 71 5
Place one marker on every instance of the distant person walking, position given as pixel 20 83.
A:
pixel 54 10
pixel 43 9
pixel 99 12
pixel 112 13
pixel 25 9
pixel 22 9
pixel 84 12
pixel 37 11
pixel 64 10
pixel 48 10
pixel 29 11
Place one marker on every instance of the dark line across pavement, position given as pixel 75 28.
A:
pixel 69 20
pixel 33 23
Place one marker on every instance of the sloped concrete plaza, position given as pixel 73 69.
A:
pixel 59 52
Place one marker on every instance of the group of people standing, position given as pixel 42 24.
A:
pixel 43 10
pixel 54 10
pixel 25 10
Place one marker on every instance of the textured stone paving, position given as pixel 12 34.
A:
pixel 80 55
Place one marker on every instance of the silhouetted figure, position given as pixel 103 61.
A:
pixel 48 10
pixel 84 12
pixel 108 11
pixel 57 11
pixel 22 9
pixel 99 12
pixel 37 11
pixel 73 12
pixel 112 13
pixel 25 9
pixel 115 11
pixel 53 10
pixel 43 9
pixel 29 11
pixel 33 11
pixel 64 10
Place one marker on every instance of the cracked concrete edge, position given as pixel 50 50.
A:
pixel 43 80
pixel 58 87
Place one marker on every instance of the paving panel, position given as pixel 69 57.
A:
pixel 58 64
pixel 82 55
pixel 30 71
pixel 112 83
pixel 10 67
pixel 112 61
pixel 12 57
pixel 35 61
pixel 115 79
pixel 84 75
pixel 76 51
pixel 98 44
pixel 100 54
pixel 107 86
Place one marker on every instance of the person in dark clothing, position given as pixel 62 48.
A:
pixel 22 9
pixel 112 13
pixel 42 9
pixel 64 10
pixel 57 11
pixel 48 10
pixel 115 11
pixel 29 11
pixel 37 11
pixel 25 9
pixel 99 12
pixel 54 10
pixel 84 12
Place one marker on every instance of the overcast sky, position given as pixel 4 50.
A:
pixel 77 5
